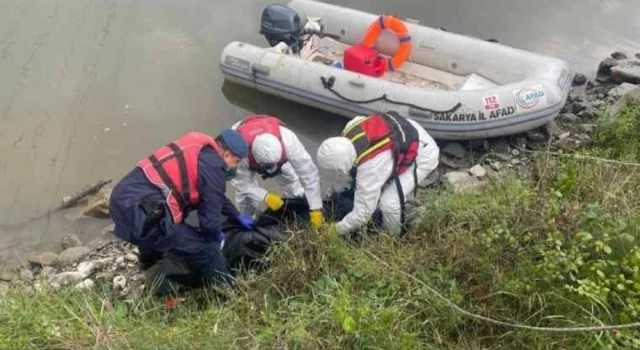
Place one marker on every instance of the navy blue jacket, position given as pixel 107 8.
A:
pixel 134 187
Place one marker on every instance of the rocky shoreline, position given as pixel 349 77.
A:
pixel 464 167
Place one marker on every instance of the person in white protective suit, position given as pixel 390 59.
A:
pixel 275 152
pixel 381 153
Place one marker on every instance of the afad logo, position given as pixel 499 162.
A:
pixel 529 97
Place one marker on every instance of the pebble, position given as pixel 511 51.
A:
pixel 86 284
pixel 503 157
pixel 497 166
pixel 65 278
pixel 26 275
pixel 131 257
pixel 43 259
pixel 515 161
pixel 120 260
pixel 515 152
pixel 119 282
pixel 70 241
pixel 478 171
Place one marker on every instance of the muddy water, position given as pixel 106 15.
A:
pixel 88 87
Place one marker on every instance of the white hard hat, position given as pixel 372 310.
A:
pixel 336 153
pixel 266 149
pixel 353 121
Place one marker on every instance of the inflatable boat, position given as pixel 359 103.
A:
pixel 354 63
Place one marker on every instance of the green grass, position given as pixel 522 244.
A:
pixel 557 249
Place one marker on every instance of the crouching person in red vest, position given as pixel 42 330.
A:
pixel 386 156
pixel 150 204
pixel 275 152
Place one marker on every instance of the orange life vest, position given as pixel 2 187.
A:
pixel 174 170
pixel 255 125
pixel 378 133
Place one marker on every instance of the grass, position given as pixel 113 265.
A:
pixel 556 249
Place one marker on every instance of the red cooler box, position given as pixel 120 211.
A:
pixel 364 60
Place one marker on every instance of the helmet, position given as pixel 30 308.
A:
pixel 266 149
pixel 337 153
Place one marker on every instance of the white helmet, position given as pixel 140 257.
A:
pixel 266 149
pixel 336 153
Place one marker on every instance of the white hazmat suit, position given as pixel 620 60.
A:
pixel 299 175
pixel 339 154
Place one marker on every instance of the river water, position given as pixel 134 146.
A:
pixel 89 87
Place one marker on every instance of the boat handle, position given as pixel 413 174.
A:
pixel 356 83
pixel 260 68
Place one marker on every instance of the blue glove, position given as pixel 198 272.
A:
pixel 246 221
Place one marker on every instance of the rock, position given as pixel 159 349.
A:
pixel 43 259
pixel 621 90
pixel 578 107
pixel 579 79
pixel 87 268
pixel 619 55
pixel 70 241
pixel 86 284
pixel 553 129
pixel 515 152
pixel 432 178
pixel 515 161
pixel 26 275
pixel 534 136
pixel 569 118
pixel 630 96
pixel 564 136
pixel 131 257
pixel 8 273
pixel 4 288
pixel 604 69
pixel 461 182
pixel 119 260
pixel 589 113
pixel 99 205
pixel 454 149
pixel 444 160
pixel 109 230
pixel 478 144
pixel 119 282
pixel 104 276
pixel 478 171
pixel 47 271
pixel 496 166
pixel 638 56
pixel 65 278
pixel 500 145
pixel 627 73
pixel 72 255
pixel 578 93
pixel 588 128
pixel 99 244
pixel 503 157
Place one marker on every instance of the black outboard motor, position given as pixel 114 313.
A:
pixel 282 24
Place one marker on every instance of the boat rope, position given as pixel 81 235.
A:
pixel 579 156
pixel 329 83
pixel 485 319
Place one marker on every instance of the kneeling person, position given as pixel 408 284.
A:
pixel 387 156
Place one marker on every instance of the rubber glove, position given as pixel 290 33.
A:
pixel 316 218
pixel 273 201
pixel 246 221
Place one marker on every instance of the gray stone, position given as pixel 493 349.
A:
pixel 501 145
pixel 515 152
pixel 47 271
pixel 86 284
pixel 569 118
pixel 65 278
pixel 461 182
pixel 477 144
pixel 120 260
pixel 4 288
pixel 564 136
pixel 578 93
pixel 99 244
pixel 619 55
pixel 604 69
pixel 478 171
pixel 579 107
pixel 131 257
pixel 588 128
pixel 70 241
pixel 638 56
pixel 621 90
pixel 43 259
pixel 72 255
pixel 553 129
pixel 119 282
pixel 104 276
pixel 497 166
pixel 631 96
pixel 26 275
pixel 109 230
pixel 87 268
pixel 533 136
pixel 626 73
pixel 444 160
pixel 454 149
pixel 503 157
pixel 515 161
pixel 8 273
pixel 99 205
pixel 579 79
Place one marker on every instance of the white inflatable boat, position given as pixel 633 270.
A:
pixel 456 86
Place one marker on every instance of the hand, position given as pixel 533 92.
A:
pixel 246 221
pixel 273 201
pixel 316 219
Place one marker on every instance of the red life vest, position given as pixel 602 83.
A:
pixel 378 133
pixel 174 170
pixel 255 125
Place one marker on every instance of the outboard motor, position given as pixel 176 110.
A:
pixel 282 24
